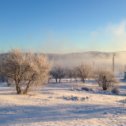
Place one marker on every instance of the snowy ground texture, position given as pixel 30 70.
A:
pixel 63 105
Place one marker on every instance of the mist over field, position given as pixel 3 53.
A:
pixel 95 58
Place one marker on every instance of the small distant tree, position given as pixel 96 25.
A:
pixel 105 79
pixel 57 73
pixel 25 70
pixel 84 71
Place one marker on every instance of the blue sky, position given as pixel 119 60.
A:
pixel 62 26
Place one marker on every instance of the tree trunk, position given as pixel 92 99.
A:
pixel 59 80
pixel 104 88
pixel 83 80
pixel 104 83
pixel 18 89
pixel 27 88
pixel 56 80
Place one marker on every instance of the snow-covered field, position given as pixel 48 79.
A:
pixel 62 105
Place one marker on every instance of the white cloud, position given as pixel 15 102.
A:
pixel 111 37
pixel 118 30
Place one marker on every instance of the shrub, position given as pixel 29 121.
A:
pixel 86 89
pixel 115 90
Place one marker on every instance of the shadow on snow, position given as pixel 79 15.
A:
pixel 29 114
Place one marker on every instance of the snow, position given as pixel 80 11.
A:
pixel 60 105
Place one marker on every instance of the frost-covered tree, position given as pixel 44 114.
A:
pixel 25 69
pixel 57 73
pixel 83 71
pixel 105 78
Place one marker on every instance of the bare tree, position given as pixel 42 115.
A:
pixel 25 69
pixel 105 78
pixel 84 71
pixel 58 73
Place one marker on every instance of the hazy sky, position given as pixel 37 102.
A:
pixel 63 25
